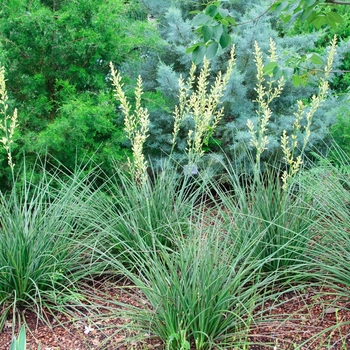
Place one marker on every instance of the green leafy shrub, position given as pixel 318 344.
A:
pixel 57 57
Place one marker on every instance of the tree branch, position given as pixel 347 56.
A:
pixel 335 2
pixel 258 17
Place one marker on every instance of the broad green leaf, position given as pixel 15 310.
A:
pixel 330 21
pixel 279 7
pixel 313 16
pixel 211 10
pixel 223 12
pixel 212 50
pixel 286 18
pixel 319 21
pixel 217 32
pixel 200 20
pixel 295 17
pixel 306 13
pixel 336 17
pixel 198 54
pixel 269 68
pixel 224 21
pixel 225 39
pixel 296 80
pixel 310 2
pixel 276 4
pixel 193 47
pixel 287 72
pixel 230 20
pixel 295 6
pixel 316 59
pixel 207 33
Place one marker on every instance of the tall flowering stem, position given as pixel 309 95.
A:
pixel 289 145
pixel 201 104
pixel 135 125
pixel 266 92
pixel 8 123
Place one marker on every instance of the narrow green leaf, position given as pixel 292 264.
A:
pixel 13 344
pixel 212 50
pixel 22 338
pixel 186 345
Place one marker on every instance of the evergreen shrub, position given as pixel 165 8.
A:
pixel 176 29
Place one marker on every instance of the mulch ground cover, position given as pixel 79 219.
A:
pixel 315 317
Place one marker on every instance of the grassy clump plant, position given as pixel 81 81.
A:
pixel 269 204
pixel 128 213
pixel 204 273
pixel 46 246
pixel 201 294
pixel 148 208
pixel 328 187
pixel 203 286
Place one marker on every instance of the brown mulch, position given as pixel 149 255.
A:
pixel 316 318
pixel 99 329
pixel 292 319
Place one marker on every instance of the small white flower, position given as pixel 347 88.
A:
pixel 88 329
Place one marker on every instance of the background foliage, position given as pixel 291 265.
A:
pixel 301 60
pixel 56 55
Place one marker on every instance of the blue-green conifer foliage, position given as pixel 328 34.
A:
pixel 232 137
